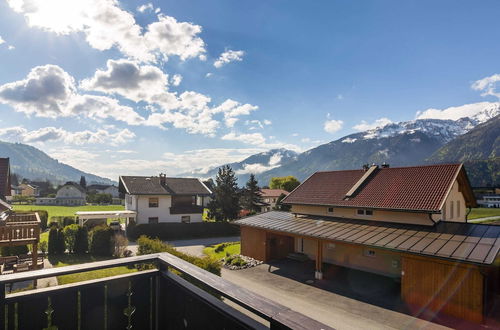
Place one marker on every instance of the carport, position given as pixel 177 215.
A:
pixel 449 267
pixel 85 216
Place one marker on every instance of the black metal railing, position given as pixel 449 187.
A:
pixel 169 296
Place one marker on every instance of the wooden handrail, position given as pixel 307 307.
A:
pixel 271 311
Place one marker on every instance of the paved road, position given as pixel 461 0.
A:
pixel 193 246
pixel 332 309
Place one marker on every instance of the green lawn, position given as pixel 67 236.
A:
pixel 482 212
pixel 229 247
pixel 67 260
pixel 63 211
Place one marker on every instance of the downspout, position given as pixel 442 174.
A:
pixel 467 214
pixel 430 217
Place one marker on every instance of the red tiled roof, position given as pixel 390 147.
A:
pixel 4 177
pixel 418 188
pixel 273 192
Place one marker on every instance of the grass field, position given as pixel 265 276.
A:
pixel 230 248
pixel 67 260
pixel 63 211
pixel 483 212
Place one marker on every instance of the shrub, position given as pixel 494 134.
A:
pixel 81 241
pixel 44 216
pixel 63 221
pixel 121 243
pixel 70 236
pixel 68 221
pixel 148 246
pixel 102 241
pixel 61 241
pixel 168 231
pixel 14 250
pixel 43 246
pixel 52 245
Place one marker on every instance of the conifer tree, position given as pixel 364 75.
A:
pixel 252 197
pixel 225 205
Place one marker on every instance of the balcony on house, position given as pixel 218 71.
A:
pixel 185 204
pixel 173 294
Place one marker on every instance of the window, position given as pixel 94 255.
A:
pixel 153 202
pixel 153 220
pixel 369 253
pixel 186 219
pixel 329 210
pixel 365 212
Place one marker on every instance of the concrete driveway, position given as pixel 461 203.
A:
pixel 336 310
pixel 193 246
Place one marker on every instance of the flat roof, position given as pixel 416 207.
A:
pixel 105 214
pixel 466 242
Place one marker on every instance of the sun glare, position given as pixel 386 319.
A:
pixel 60 16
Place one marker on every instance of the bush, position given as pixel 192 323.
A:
pixel 63 221
pixel 52 245
pixel 70 236
pixel 148 246
pixel 44 216
pixel 81 241
pixel 43 246
pixel 121 243
pixel 102 241
pixel 61 241
pixel 169 231
pixel 14 250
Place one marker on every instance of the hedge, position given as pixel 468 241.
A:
pixel 102 241
pixel 173 231
pixel 148 246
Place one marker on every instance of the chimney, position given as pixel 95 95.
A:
pixel 385 165
pixel 163 179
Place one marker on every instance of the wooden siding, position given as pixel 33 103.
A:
pixel 253 243
pixel 452 289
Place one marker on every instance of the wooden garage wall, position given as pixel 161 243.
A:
pixel 253 243
pixel 453 289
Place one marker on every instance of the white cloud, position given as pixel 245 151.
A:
pixel 51 134
pixel 129 79
pixel 267 122
pixel 208 75
pixel 349 140
pixel 332 126
pixel 11 47
pixel 256 168
pixel 305 140
pixel 228 57
pixel 49 91
pixel 253 138
pixel 176 80
pixel 295 134
pixel 454 113
pixel 364 126
pixel 1 40
pixel 144 7
pixel 487 85
pixel 106 25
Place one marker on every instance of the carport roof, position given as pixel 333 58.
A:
pixel 466 242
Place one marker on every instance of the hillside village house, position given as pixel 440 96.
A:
pixel 270 197
pixel 69 194
pixel 408 223
pixel 158 199
pixel 104 189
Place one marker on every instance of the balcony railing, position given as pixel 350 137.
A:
pixel 151 299
pixel 186 209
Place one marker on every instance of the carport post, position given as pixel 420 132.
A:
pixel 318 274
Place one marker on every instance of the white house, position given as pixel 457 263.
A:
pixel 70 194
pixel 270 198
pixel 104 189
pixel 161 199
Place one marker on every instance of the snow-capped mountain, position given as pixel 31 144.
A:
pixel 255 164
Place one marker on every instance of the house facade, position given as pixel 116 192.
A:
pixel 408 223
pixel 104 189
pixel 159 199
pixel 69 194
pixel 270 197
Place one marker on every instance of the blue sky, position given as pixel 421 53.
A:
pixel 138 87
